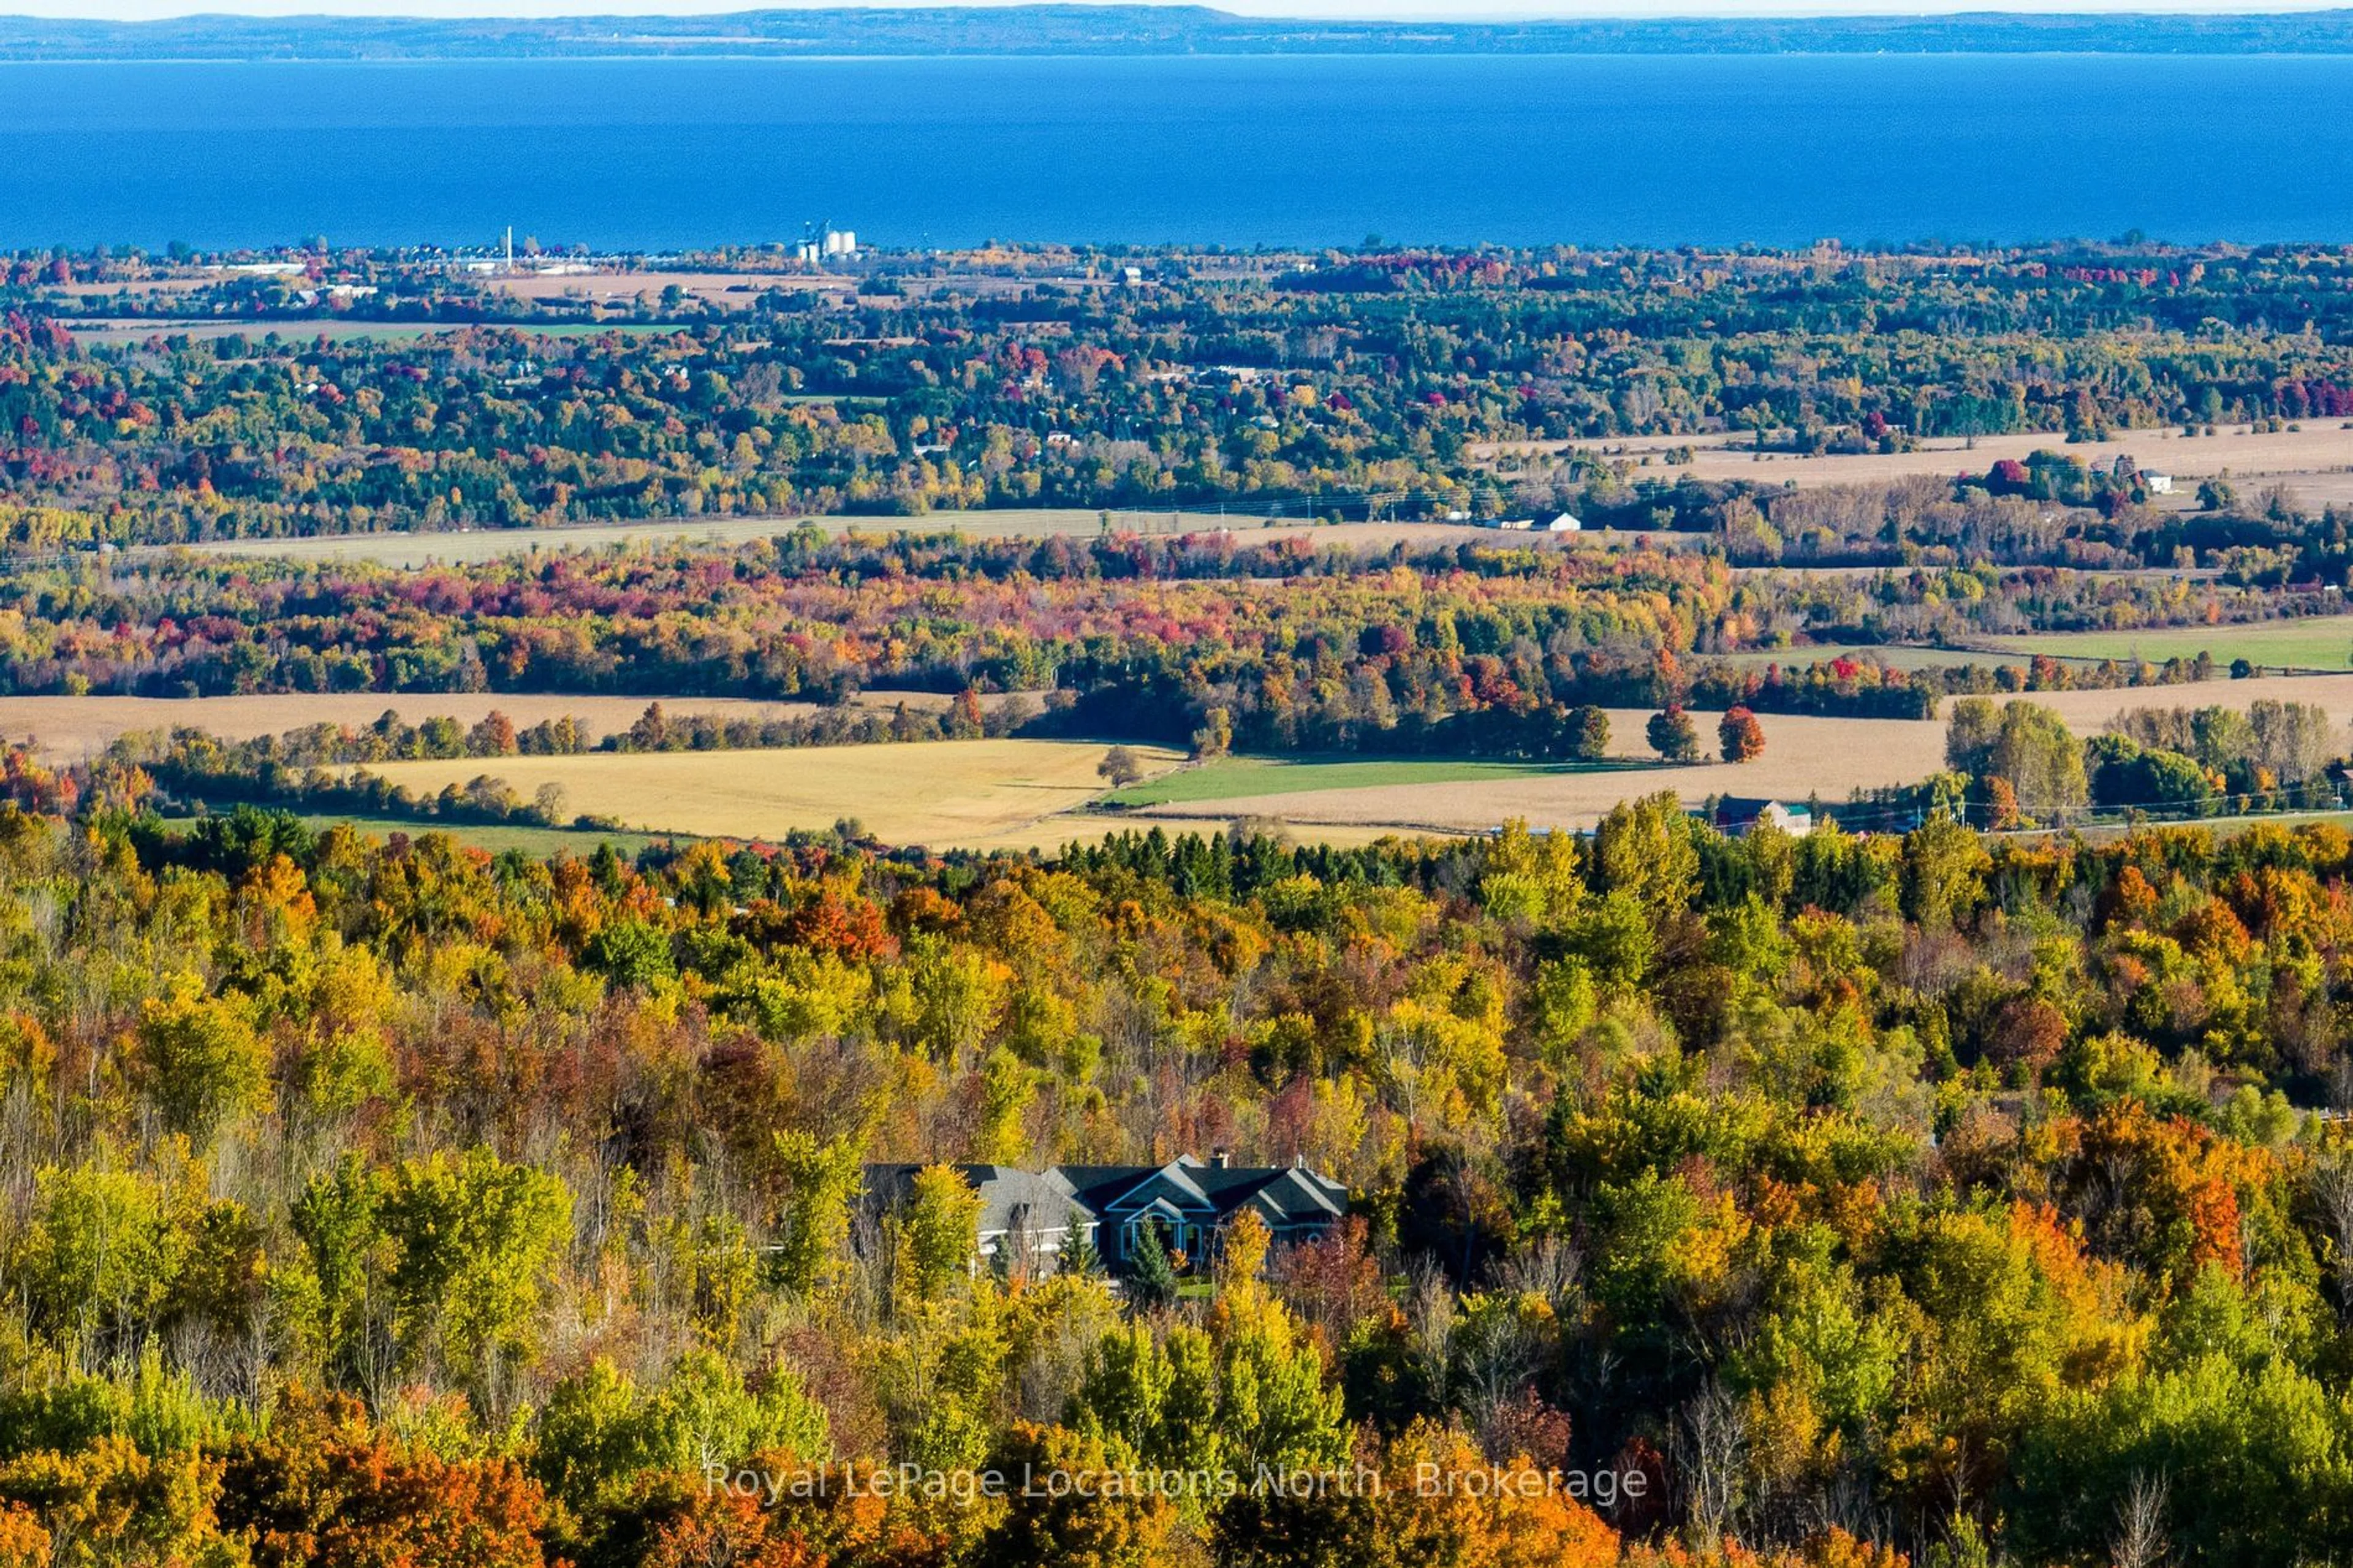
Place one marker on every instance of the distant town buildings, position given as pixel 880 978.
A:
pixel 2159 484
pixel 835 244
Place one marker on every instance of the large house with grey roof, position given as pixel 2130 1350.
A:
pixel 1027 1217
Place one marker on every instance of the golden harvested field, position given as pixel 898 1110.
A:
pixel 72 727
pixel 2312 492
pixel 2318 455
pixel 1020 795
pixel 886 699
pixel 1804 756
pixel 460 547
pixel 2086 711
pixel 939 794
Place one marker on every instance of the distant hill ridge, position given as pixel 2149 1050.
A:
pixel 1141 30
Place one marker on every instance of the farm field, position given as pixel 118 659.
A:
pixel 2309 642
pixel 2320 454
pixel 887 698
pixel 459 547
pixel 70 728
pixel 456 547
pixel 1020 795
pixel 1805 757
pixel 939 794
pixel 1231 778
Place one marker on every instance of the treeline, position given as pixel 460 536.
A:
pixel 2017 765
pixel 1476 650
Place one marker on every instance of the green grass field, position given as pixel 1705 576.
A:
pixel 2311 642
pixel 1235 778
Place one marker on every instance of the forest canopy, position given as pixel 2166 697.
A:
pixel 1975 1197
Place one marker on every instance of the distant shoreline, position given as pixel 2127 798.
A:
pixel 1050 31
pixel 683 57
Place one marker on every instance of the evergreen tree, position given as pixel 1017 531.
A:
pixel 1151 1277
pixel 1079 1255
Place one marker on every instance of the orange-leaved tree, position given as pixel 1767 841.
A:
pixel 1743 738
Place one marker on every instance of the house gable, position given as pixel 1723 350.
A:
pixel 1172 1184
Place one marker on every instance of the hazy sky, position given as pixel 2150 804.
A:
pixel 1460 10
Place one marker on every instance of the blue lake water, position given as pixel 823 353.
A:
pixel 1238 151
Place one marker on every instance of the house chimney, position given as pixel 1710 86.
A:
pixel 1220 1159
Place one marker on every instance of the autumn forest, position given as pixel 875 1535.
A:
pixel 1956 1178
